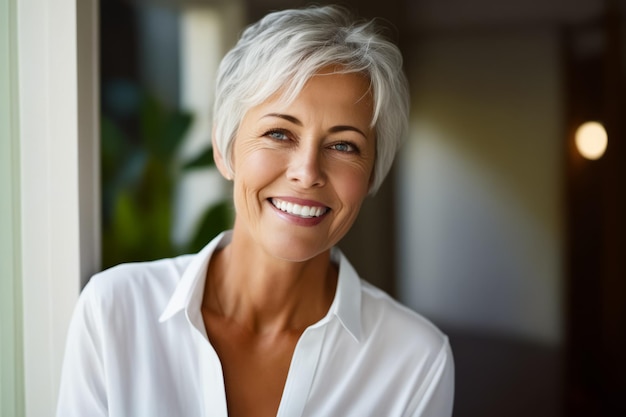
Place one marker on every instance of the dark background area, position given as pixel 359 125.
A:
pixel 498 375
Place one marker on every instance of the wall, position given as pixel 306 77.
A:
pixel 480 183
pixel 11 365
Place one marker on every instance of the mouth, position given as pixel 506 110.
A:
pixel 299 210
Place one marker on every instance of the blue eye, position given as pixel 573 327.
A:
pixel 344 147
pixel 277 134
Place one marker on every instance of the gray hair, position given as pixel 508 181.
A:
pixel 284 49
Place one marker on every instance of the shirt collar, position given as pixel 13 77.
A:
pixel 189 290
pixel 188 294
pixel 347 303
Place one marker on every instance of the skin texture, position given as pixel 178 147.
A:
pixel 275 278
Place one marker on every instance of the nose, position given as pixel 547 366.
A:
pixel 306 167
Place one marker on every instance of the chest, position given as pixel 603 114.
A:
pixel 326 374
pixel 255 367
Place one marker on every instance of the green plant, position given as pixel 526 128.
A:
pixel 139 173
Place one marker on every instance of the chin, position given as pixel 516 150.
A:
pixel 293 254
pixel 295 250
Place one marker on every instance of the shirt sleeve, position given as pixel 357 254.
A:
pixel 83 381
pixel 438 396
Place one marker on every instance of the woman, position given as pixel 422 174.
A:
pixel 270 318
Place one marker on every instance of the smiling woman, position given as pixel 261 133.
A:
pixel 270 318
pixel 316 152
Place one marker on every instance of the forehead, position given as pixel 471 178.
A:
pixel 330 89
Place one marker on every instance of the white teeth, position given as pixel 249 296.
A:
pixel 298 210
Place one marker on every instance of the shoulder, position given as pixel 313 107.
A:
pixel 137 283
pixel 410 354
pixel 385 318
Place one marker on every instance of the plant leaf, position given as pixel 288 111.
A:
pixel 204 160
pixel 176 125
pixel 216 219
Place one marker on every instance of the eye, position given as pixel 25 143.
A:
pixel 345 147
pixel 277 134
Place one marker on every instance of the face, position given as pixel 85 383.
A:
pixel 302 169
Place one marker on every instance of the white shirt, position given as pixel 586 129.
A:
pixel 137 346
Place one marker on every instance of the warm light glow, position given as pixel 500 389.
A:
pixel 591 140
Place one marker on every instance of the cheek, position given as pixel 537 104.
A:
pixel 256 168
pixel 261 165
pixel 353 184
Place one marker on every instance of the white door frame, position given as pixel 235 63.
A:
pixel 59 189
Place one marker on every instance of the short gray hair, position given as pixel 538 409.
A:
pixel 286 48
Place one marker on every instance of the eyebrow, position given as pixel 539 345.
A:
pixel 334 129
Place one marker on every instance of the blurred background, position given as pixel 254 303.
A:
pixel 492 223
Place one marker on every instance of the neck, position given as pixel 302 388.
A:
pixel 266 295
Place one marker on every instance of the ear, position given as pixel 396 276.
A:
pixel 219 160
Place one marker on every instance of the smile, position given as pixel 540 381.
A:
pixel 305 212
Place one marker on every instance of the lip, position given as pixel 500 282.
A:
pixel 297 220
